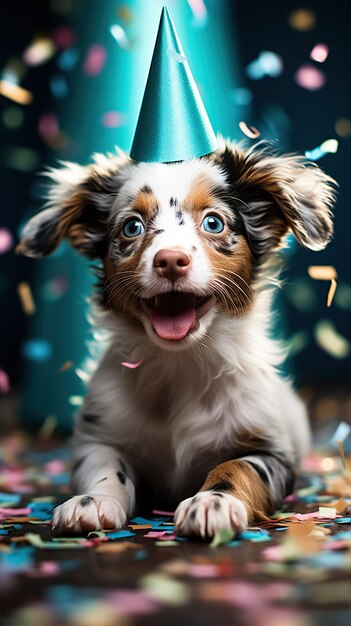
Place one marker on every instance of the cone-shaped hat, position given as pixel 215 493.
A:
pixel 173 124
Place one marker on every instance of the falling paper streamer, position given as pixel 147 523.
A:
pixel 15 93
pixel 325 272
pixel 26 297
pixel 249 131
pixel 132 366
pixel 342 452
pixel 319 53
pixel 331 341
pixel 329 146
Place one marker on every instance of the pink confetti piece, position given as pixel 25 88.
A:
pixel 4 382
pixel 95 60
pixel 319 53
pixel 113 119
pixel 6 240
pixel 302 517
pixel 48 126
pixel 55 467
pixel 131 602
pixel 310 77
pixel 7 512
pixel 249 131
pixel 132 366
pixel 156 534
pixel 166 513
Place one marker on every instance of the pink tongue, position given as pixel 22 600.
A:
pixel 174 326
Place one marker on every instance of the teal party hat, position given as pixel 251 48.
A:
pixel 173 124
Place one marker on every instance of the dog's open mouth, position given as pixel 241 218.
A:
pixel 174 315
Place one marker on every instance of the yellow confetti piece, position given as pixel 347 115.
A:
pixel 26 297
pixel 327 511
pixel 331 341
pixel 249 131
pixel 15 92
pixel 139 526
pixel 66 366
pixel 322 272
pixel 331 293
pixel 47 427
pixel 117 547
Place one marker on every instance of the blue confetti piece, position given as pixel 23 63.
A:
pixel 14 498
pixel 140 555
pixel 38 350
pixel 17 559
pixel 58 86
pixel 120 534
pixel 343 520
pixel 68 59
pixel 3 531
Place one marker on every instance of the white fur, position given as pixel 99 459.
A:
pixel 180 413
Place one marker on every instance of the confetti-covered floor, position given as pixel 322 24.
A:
pixel 292 571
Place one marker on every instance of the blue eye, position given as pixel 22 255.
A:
pixel 212 224
pixel 133 228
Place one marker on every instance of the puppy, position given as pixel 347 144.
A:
pixel 201 419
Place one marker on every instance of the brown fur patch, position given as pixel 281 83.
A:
pixel 245 484
pixel 145 202
pixel 233 275
pixel 200 197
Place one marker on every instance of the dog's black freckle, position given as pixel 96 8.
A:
pixel 192 515
pixel 86 500
pixel 195 499
pixel 90 418
pixel 217 505
pixel 121 477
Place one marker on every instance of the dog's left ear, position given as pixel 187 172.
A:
pixel 276 193
pixel 80 200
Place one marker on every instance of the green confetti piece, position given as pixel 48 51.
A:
pixel 222 536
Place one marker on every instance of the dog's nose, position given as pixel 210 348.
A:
pixel 172 264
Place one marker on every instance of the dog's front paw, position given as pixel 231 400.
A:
pixel 89 512
pixel 206 513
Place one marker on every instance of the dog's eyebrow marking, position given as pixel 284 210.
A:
pixel 222 485
pixel 179 217
pixel 101 480
pixel 159 231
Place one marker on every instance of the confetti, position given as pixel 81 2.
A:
pixel 222 537
pixel 21 159
pixel 319 52
pixel 199 11
pixel 54 288
pixel 119 34
pixel 76 400
pixel 68 59
pixel 63 36
pixel 302 19
pixel 4 382
pixel 15 93
pixel 249 131
pixel 343 127
pixel 48 427
pixel 113 119
pixel 241 96
pixel 310 78
pixel 37 350
pixel 325 511
pixel 13 118
pixel 58 86
pixel 95 60
pixel 268 63
pixel 39 51
pixel 6 240
pixel 132 366
pixel 48 127
pixel 67 365
pixel 330 340
pixel 26 297
pixel 165 589
pixel 325 272
pixel 329 146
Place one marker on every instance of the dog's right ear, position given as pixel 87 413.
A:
pixel 80 200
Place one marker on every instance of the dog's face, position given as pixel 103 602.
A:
pixel 182 242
